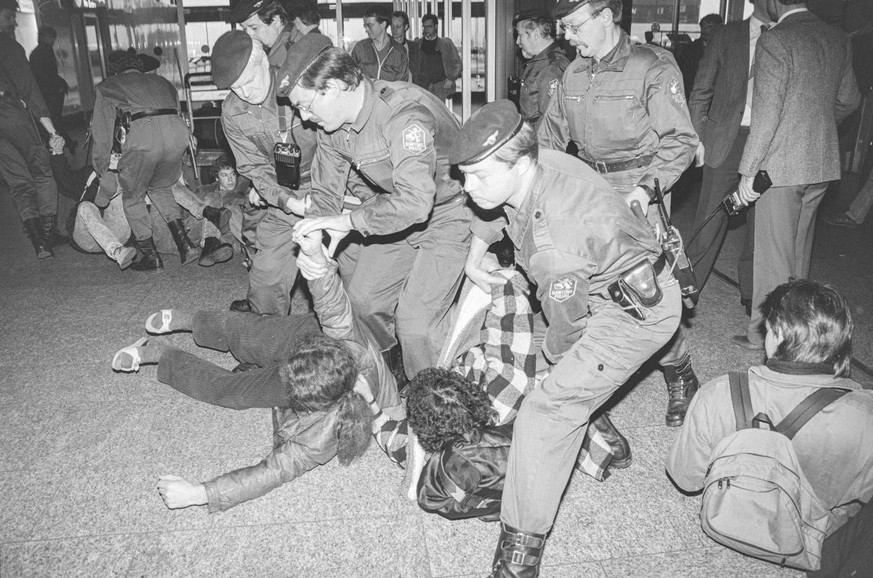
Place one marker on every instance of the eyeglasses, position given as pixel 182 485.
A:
pixel 574 28
pixel 308 106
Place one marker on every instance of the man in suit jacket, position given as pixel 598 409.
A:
pixel 804 86
pixel 720 107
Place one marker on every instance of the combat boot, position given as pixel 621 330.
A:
pixel 188 251
pixel 518 554
pixel 33 229
pixel 219 217
pixel 214 251
pixel 621 452
pixel 50 232
pixel 682 384
pixel 149 259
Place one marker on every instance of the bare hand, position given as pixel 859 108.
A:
pixel 699 155
pixel 295 206
pixel 255 199
pixel 180 493
pixel 746 194
pixel 337 227
pixel 640 195
pixel 480 273
pixel 362 388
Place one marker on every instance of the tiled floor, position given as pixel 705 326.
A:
pixel 82 447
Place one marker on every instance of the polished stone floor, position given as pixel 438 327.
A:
pixel 83 447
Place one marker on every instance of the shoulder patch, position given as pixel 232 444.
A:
pixel 562 289
pixel 676 93
pixel 414 139
pixel 553 86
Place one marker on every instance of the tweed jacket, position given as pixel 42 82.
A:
pixel 804 86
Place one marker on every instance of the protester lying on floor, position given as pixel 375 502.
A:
pixel 309 375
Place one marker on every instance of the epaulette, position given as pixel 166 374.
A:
pixel 390 96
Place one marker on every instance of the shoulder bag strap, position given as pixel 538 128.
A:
pixel 807 408
pixel 741 399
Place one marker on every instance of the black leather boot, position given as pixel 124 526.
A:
pixel 394 360
pixel 214 251
pixel 682 384
pixel 219 217
pixel 621 452
pixel 518 554
pixel 50 232
pixel 149 259
pixel 188 251
pixel 33 229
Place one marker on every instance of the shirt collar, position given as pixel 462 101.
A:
pixel 367 108
pixel 800 367
pixel 790 12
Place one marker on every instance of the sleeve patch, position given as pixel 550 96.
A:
pixel 562 289
pixel 676 94
pixel 553 86
pixel 414 139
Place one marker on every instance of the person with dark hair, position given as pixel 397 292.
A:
pixel 808 343
pixel 379 56
pixel 256 123
pixel 44 66
pixel 307 19
pixel 24 160
pixel 308 373
pixel 623 105
pixel 434 62
pixel 804 87
pixel 607 294
pixel 545 65
pixel 690 55
pixel 405 268
pixel 267 22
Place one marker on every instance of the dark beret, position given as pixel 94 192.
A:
pixel 485 132
pixel 565 7
pixel 532 14
pixel 245 9
pixel 300 56
pixel 230 55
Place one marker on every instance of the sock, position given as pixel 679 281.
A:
pixel 150 353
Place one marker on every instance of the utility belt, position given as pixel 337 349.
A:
pixel 122 128
pixel 603 167
pixel 638 287
pixel 130 117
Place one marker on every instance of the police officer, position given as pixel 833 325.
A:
pixel 575 239
pixel 24 161
pixel 254 122
pixel 623 105
pixel 151 152
pixel 542 72
pixel 395 137
pixel 267 22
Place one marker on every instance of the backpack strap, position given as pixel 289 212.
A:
pixel 806 409
pixel 741 399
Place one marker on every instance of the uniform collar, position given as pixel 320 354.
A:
pixel 615 58
pixel 520 218
pixel 370 97
pixel 544 53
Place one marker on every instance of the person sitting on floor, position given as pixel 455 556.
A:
pixel 808 344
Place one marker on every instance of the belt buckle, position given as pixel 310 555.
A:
pixel 600 167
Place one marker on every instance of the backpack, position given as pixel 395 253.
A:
pixel 756 499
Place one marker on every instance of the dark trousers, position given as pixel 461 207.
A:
pixel 703 250
pixel 263 341
pixel 848 551
pixel 24 163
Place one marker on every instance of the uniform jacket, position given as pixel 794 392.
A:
pixel 718 97
pixel 132 92
pixel 804 86
pixel 252 130
pixel 540 78
pixel 629 104
pixel 399 146
pixel 395 65
pixel 451 65
pixel 309 439
pixel 573 236
pixel 16 80
pixel 835 448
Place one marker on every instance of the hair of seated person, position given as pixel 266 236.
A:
pixel 505 251
pixel 443 406
pixel 321 373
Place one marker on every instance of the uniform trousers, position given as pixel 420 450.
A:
pixel 703 250
pixel 552 421
pixel 150 164
pixel 407 282
pixel 25 163
pixel 624 182
pixel 784 231
pixel 264 341
pixel 863 202
pixel 274 266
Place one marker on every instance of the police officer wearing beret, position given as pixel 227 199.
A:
pixel 267 22
pixel 254 122
pixel 542 72
pixel 623 104
pixel 575 239
pixel 393 137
